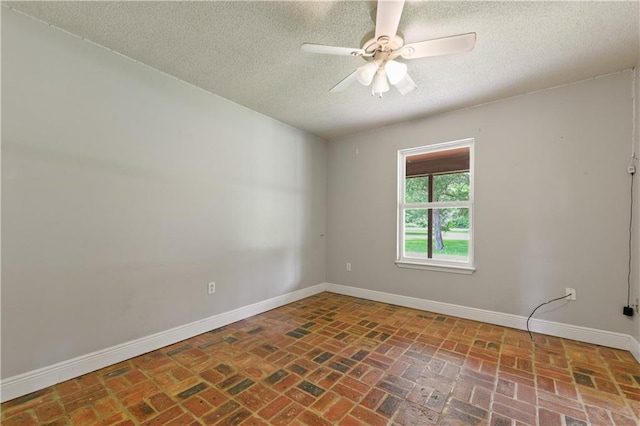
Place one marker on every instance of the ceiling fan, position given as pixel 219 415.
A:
pixel 385 47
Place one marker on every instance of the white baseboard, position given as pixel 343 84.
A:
pixel 32 381
pixel 567 331
pixel 635 348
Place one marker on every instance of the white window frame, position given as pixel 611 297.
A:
pixel 434 264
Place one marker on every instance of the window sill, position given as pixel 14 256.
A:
pixel 467 270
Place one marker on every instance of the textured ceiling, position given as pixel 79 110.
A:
pixel 248 51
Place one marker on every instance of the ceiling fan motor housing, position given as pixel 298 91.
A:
pixel 373 46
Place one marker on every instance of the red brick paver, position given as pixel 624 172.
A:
pixel 331 359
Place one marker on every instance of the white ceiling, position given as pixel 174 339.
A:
pixel 248 51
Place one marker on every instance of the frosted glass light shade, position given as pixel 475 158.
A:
pixel 395 71
pixel 365 73
pixel 406 85
pixel 380 83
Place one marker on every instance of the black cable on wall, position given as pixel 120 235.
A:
pixel 628 310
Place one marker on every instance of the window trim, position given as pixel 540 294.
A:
pixel 434 264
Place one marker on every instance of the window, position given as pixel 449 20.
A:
pixel 435 207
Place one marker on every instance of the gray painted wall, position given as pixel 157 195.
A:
pixel 551 205
pixel 125 191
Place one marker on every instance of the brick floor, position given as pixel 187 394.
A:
pixel 337 360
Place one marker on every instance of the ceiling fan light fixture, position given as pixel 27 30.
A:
pixel 386 45
pixel 380 83
pixel 395 71
pixel 365 73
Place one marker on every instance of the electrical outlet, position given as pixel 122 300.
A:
pixel 212 288
pixel 631 169
pixel 348 267
pixel 572 292
pixel 638 305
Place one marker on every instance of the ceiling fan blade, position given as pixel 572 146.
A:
pixel 439 46
pixel 330 50
pixel 346 82
pixel 406 85
pixel 388 17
